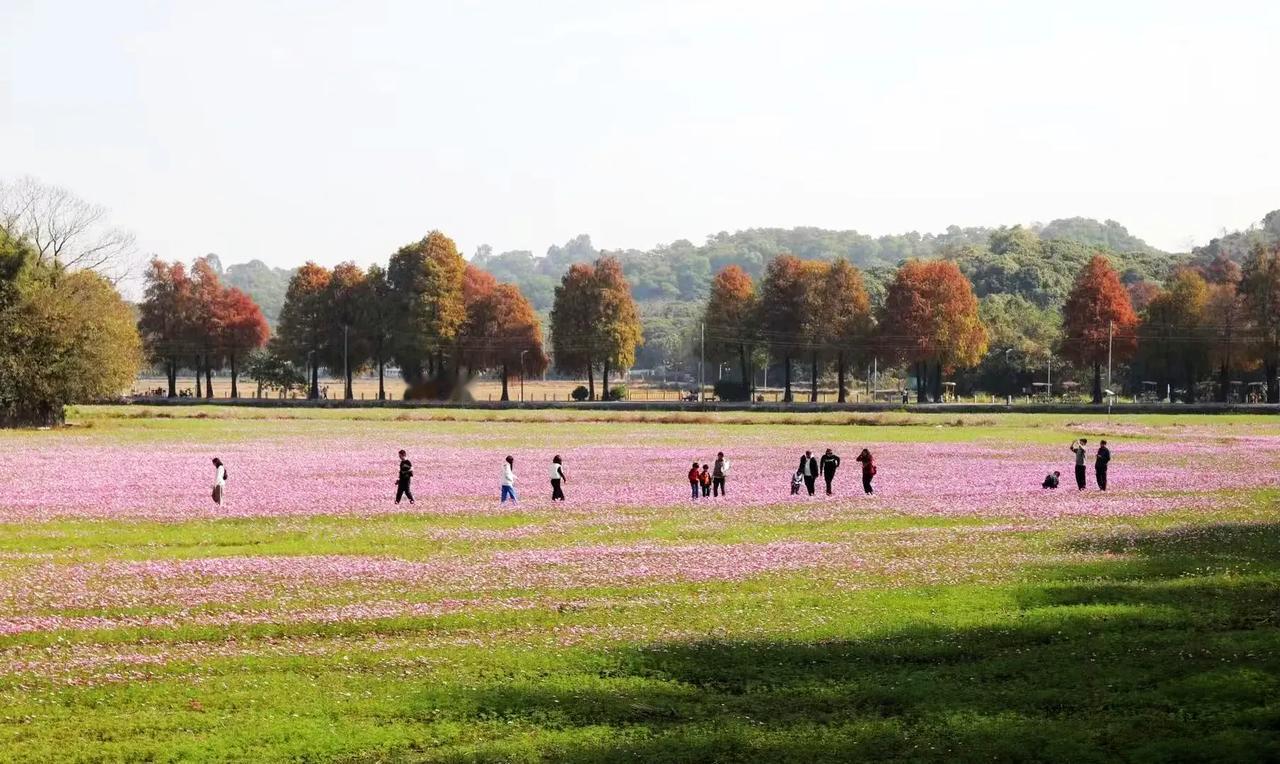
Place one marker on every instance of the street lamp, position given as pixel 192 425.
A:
pixel 522 352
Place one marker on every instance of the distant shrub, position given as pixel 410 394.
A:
pixel 618 393
pixel 731 390
pixel 580 393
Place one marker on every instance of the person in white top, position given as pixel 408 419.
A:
pixel 557 478
pixel 509 480
pixel 219 481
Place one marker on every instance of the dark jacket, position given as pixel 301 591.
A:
pixel 830 462
pixel 1104 456
pixel 406 471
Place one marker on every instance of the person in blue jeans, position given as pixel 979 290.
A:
pixel 509 480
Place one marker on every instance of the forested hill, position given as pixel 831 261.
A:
pixel 682 270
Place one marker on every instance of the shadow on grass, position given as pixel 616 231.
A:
pixel 1168 651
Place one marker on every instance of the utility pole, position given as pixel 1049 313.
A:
pixel 1110 333
pixel 702 362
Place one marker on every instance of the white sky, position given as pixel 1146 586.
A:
pixel 289 131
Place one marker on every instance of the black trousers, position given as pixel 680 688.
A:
pixel 1080 476
pixel 828 477
pixel 402 489
pixel 557 494
pixel 717 486
pixel 1100 475
pixel 866 483
pixel 809 482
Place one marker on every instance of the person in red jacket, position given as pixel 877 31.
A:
pixel 868 470
pixel 695 480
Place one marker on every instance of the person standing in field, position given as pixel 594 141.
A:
pixel 719 471
pixel 809 469
pixel 868 470
pixel 1100 462
pixel 695 480
pixel 704 480
pixel 403 479
pixel 557 478
pixel 1077 448
pixel 509 480
pixel 829 464
pixel 219 481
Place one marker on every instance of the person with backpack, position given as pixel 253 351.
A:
pixel 704 480
pixel 809 469
pixel 1077 448
pixel 719 471
pixel 557 478
pixel 509 480
pixel 868 470
pixel 829 464
pixel 219 481
pixel 695 480
pixel 1100 462
pixel 403 479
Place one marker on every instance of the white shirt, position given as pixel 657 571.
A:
pixel 220 476
pixel 557 471
pixel 508 475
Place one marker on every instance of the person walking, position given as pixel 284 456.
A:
pixel 829 464
pixel 809 469
pixel 509 480
pixel 219 481
pixel 704 480
pixel 695 480
pixel 868 470
pixel 1077 447
pixel 1051 480
pixel 403 479
pixel 1100 462
pixel 719 471
pixel 557 478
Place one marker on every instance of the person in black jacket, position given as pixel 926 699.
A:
pixel 402 482
pixel 1100 465
pixel 829 463
pixel 809 469
pixel 1051 480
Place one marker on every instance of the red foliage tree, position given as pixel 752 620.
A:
pixel 1098 313
pixel 730 318
pixel 242 329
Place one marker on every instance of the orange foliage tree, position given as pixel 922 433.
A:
pixel 304 320
pixel 730 318
pixel 930 319
pixel 784 307
pixel 1098 311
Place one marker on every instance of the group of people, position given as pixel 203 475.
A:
pixel 1100 462
pixel 811 467
pixel 707 480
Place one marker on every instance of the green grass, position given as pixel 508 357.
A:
pixel 1089 639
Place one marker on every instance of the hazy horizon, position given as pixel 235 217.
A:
pixel 333 132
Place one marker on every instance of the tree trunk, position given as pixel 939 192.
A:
pixel 1224 382
pixel 813 383
pixel 315 377
pixel 172 369
pixel 349 393
pixel 786 376
pixel 937 382
pixel 1273 392
pixel 747 381
pixel 505 396
pixel 199 389
pixel 1097 383
pixel 1191 384
pixel 591 382
pixel 604 383
pixel 921 395
pixel 208 377
pixel 235 392
pixel 841 397
pixel 382 391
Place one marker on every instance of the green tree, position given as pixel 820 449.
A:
pixel 1260 286
pixel 346 346
pixel 378 318
pixel 427 277
pixel 845 311
pixel 304 321
pixel 784 305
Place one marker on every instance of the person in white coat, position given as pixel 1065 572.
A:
pixel 509 480
pixel 219 481
pixel 557 479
